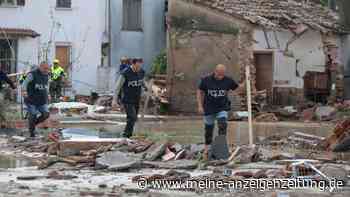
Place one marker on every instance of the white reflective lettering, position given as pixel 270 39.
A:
pixel 217 93
pixel 136 83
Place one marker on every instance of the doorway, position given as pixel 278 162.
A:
pixel 63 54
pixel 263 62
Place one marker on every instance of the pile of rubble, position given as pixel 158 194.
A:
pixel 74 108
pixel 113 154
pixel 294 155
pixel 248 162
pixel 308 112
pixel 123 155
pixel 339 141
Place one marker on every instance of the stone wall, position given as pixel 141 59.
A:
pixel 195 50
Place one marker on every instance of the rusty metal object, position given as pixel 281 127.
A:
pixel 340 132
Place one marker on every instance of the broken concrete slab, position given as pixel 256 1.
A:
pixel 193 150
pixel 117 161
pixel 180 155
pixel 76 146
pixel 247 154
pixel 177 147
pixel 197 148
pixel 169 155
pixel 156 151
pixel 335 172
pixel 138 146
pixel 70 108
pixel 175 164
pixel 18 139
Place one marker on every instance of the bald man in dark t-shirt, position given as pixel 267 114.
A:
pixel 214 104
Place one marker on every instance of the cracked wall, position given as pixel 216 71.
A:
pixel 296 55
pixel 194 52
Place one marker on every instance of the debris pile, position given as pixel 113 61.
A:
pixel 112 154
pixel 294 140
pixel 339 141
pixel 266 117
pixel 159 90
pixel 124 155
pixel 70 108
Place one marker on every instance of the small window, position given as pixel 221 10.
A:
pixel 132 15
pixel 64 3
pixel 8 3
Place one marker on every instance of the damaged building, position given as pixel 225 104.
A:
pixel 292 47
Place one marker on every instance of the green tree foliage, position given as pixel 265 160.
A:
pixel 324 2
pixel 159 65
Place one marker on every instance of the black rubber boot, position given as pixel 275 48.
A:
pixel 131 118
pixel 44 116
pixel 209 131
pixel 32 123
pixel 222 125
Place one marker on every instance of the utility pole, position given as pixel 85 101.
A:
pixel 249 104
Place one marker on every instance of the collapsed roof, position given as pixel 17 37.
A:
pixel 279 14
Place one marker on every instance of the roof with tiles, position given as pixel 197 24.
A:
pixel 279 14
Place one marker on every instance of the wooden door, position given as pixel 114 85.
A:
pixel 63 55
pixel 264 72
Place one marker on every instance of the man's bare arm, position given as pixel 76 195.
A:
pixel 119 86
pixel 25 83
pixel 241 88
pixel 200 100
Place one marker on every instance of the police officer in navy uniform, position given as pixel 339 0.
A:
pixel 35 92
pixel 214 104
pixel 130 84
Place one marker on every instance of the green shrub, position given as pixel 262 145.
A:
pixel 159 65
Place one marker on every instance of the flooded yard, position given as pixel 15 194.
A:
pixel 181 131
pixel 7 162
